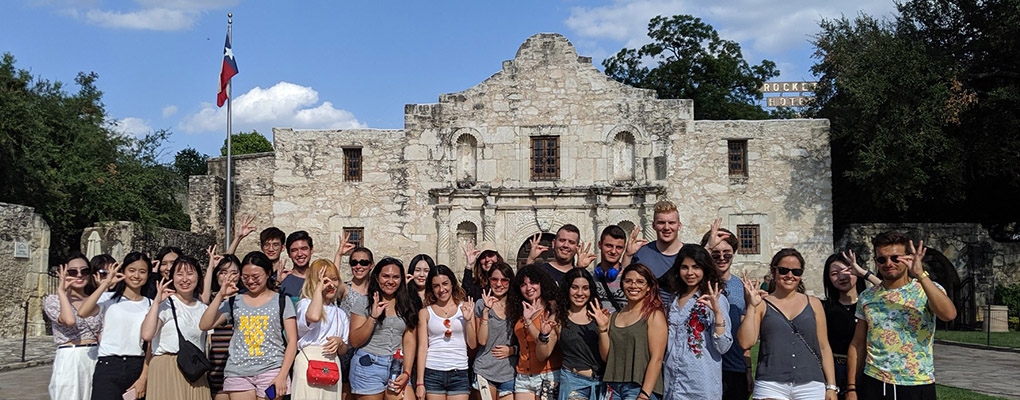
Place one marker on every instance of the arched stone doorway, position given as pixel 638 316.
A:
pixel 546 256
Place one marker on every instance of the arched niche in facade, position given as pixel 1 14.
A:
pixel 623 151
pixel 467 233
pixel 466 153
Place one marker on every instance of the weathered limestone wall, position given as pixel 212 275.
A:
pixel 253 195
pixel 788 190
pixel 24 258
pixel 120 238
pixel 968 247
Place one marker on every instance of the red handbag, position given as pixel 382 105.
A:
pixel 324 373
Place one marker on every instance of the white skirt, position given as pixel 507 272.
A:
pixel 72 373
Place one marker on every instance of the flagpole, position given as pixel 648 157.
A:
pixel 230 158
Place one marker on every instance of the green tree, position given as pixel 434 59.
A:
pixel 247 143
pixel 188 162
pixel 59 157
pixel 693 62
pixel 924 112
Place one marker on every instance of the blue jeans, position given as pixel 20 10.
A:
pixel 369 373
pixel 575 386
pixel 451 382
pixel 628 391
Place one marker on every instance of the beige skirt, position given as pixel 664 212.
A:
pixel 300 389
pixel 166 381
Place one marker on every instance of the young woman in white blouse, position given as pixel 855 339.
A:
pixel 322 331
pixel 178 310
pixel 446 333
pixel 76 337
pixel 122 369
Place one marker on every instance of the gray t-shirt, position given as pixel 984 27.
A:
pixel 257 345
pixel 486 364
pixel 388 334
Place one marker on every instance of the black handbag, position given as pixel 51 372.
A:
pixel 190 359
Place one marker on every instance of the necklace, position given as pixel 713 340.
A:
pixel 442 311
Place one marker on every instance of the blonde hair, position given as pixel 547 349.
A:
pixel 665 206
pixel 312 278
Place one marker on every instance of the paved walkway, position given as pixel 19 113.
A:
pixel 985 371
pixel 39 350
pixel 26 383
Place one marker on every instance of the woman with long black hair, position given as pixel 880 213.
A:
pixel 122 368
pixel 533 302
pixel 843 280
pixel 497 354
pixel 76 337
pixel 417 273
pixel 222 271
pixel 382 325
pixel 577 337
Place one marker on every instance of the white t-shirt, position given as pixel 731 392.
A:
pixel 122 325
pixel 165 340
pixel 336 324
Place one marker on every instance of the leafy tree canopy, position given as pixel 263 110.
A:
pixel 188 162
pixel 247 143
pixel 924 111
pixel 59 157
pixel 691 61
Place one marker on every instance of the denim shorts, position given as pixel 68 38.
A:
pixel 628 391
pixel 451 382
pixel 577 386
pixel 525 383
pixel 369 373
pixel 502 388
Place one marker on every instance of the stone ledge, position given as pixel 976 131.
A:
pixel 23 365
pixel 978 346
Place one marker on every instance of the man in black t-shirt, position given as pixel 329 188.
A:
pixel 565 247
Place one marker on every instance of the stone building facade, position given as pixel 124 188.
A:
pixel 464 170
pixel 24 259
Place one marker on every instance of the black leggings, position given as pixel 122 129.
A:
pixel 114 375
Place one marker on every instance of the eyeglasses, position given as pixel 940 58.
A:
pixel 252 278
pixel 784 271
pixel 273 246
pixel 637 283
pixel 722 256
pixel 364 263
pixel 895 258
pixel 493 281
pixel 446 323
pixel 75 272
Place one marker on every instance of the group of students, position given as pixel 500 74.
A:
pixel 649 321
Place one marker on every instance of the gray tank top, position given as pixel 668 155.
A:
pixel 388 333
pixel 782 356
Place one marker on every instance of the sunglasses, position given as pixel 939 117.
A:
pixel 364 263
pixel 722 256
pixel 74 273
pixel 493 281
pixel 784 271
pixel 446 323
pixel 894 258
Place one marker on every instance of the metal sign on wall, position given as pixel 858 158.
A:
pixel 788 87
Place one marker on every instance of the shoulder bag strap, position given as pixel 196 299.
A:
pixel 609 293
pixel 173 310
pixel 795 330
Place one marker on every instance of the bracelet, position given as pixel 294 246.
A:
pixel 721 324
pixel 868 274
pixel 848 390
pixel 923 275
pixel 543 337
pixel 419 384
pixel 644 393
pixel 604 330
pixel 405 372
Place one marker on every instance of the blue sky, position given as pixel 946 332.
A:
pixel 339 64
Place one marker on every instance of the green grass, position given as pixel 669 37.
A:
pixel 1001 339
pixel 951 393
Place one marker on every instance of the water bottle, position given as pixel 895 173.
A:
pixel 396 368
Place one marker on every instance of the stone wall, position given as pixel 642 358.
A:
pixel 24 258
pixel 120 238
pixel 253 195
pixel 460 170
pixel 972 252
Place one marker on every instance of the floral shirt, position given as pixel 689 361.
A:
pixel 901 330
pixel 692 367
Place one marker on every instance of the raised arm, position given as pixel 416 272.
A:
pixel 242 232
pixel 151 323
pixel 633 245
pixel 88 307
pixel 65 312
pixel 362 326
pixel 314 312
pixel 550 330
pixel 536 248
pixel 747 335
pixel 212 317
pixel 938 301
pixel 207 280
pixel 601 317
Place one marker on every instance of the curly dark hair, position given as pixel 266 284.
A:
pixel 550 294
pixel 568 281
pixel 405 305
pixel 711 275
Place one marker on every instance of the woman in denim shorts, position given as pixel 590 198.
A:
pixel 447 332
pixel 496 357
pixel 532 303
pixel 577 338
pixel 382 324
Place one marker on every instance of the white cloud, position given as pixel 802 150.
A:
pixel 283 104
pixel 762 26
pixel 130 126
pixel 157 15
pixel 169 110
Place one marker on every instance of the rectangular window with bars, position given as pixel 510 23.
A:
pixel 357 237
pixel 748 238
pixel 352 164
pixel 737 157
pixel 545 158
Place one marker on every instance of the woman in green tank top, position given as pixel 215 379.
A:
pixel 637 339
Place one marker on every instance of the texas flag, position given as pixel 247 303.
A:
pixel 228 71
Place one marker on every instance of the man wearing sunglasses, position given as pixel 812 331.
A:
pixel 736 363
pixel 892 343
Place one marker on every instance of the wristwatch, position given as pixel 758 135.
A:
pixel 833 388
